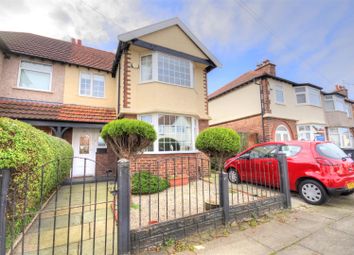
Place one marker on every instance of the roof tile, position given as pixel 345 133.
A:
pixel 56 50
pixel 25 109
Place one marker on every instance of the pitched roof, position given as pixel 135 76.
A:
pixel 62 51
pixel 244 78
pixel 28 109
pixel 165 24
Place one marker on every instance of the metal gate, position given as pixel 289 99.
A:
pixel 50 212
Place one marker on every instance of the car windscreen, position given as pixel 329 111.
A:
pixel 330 150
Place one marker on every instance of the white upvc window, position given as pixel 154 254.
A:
pixel 166 68
pixel 341 137
pixel 308 95
pixel 175 133
pixel 279 94
pixel 311 132
pixel 35 76
pixel 92 85
pixel 334 103
pixel 304 132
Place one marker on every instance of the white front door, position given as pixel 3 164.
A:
pixel 85 146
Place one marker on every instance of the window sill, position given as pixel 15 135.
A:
pixel 170 152
pixel 318 106
pixel 92 97
pixel 280 103
pixel 166 83
pixel 35 90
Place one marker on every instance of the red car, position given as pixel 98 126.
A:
pixel 316 169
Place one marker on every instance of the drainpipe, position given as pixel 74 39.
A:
pixel 262 107
pixel 118 85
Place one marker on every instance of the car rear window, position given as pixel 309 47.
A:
pixel 330 150
pixel 290 150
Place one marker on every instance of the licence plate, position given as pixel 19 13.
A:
pixel 350 185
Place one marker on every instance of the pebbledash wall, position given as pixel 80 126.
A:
pixel 180 228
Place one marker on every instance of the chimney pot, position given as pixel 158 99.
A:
pixel 266 67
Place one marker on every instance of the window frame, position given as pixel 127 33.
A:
pixel 281 89
pixel 155 68
pixel 36 63
pixel 307 94
pixel 340 131
pixel 155 119
pixel 336 99
pixel 92 75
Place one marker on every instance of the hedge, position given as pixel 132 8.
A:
pixel 27 150
pixel 144 182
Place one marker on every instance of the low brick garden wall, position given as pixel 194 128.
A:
pixel 183 227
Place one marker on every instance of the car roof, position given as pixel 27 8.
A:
pixel 293 142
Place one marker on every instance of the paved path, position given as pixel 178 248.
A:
pixel 307 230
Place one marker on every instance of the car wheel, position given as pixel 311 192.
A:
pixel 233 176
pixel 347 193
pixel 313 192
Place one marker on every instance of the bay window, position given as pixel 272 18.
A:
pixel 311 132
pixel 167 69
pixel 308 95
pixel 175 133
pixel 334 103
pixel 92 85
pixel 341 137
pixel 35 76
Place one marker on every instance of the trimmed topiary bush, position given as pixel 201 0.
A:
pixel 218 143
pixel 128 137
pixel 27 150
pixel 149 183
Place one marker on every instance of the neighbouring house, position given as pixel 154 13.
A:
pixel 270 108
pixel 339 117
pixel 158 74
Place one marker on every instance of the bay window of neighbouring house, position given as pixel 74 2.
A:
pixel 307 95
pixel 92 85
pixel 335 103
pixel 311 133
pixel 35 76
pixel 175 133
pixel 341 137
pixel 166 69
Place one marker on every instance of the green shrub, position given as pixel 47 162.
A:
pixel 128 137
pixel 27 150
pixel 218 143
pixel 149 183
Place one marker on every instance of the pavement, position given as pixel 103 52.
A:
pixel 305 230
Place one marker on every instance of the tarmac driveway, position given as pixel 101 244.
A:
pixel 327 229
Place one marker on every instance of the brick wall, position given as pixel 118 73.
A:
pixel 253 125
pixel 250 125
pixel 165 165
pixel 203 124
pixel 105 160
pixel 183 227
pixel 126 80
pixel 270 125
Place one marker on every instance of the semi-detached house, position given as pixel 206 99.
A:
pixel 158 75
pixel 267 107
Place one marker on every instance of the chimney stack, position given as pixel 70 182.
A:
pixel 342 90
pixel 76 41
pixel 266 67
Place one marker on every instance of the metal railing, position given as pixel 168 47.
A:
pixel 98 216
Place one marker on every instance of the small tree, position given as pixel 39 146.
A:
pixel 127 137
pixel 218 143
